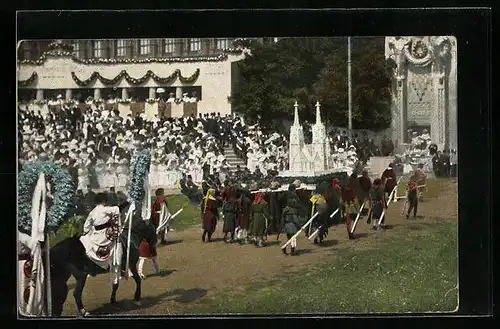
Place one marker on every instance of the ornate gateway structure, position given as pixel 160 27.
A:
pixel 424 88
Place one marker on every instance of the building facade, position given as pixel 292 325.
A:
pixel 131 71
pixel 424 88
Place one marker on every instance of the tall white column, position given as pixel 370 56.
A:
pixel 68 94
pixel 452 97
pixel 152 92
pixel 39 94
pixel 97 93
pixel 438 115
pixel 178 92
pixel 124 93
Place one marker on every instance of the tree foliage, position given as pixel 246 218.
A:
pixel 310 69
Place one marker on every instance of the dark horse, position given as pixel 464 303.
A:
pixel 68 258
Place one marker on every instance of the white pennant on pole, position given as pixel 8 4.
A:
pixel 37 299
pixel 128 219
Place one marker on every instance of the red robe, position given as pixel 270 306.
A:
pixel 244 213
pixel 145 250
pixel 209 215
pixel 157 209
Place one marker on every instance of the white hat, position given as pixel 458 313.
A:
pixel 91 143
pixel 160 90
pixel 59 96
pixel 185 94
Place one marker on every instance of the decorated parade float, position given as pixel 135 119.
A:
pixel 312 163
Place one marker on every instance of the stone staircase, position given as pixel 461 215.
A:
pixel 232 159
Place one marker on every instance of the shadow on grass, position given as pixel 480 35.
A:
pixel 328 243
pixel 171 242
pixel 163 273
pixel 272 243
pixel 360 235
pixel 299 252
pixel 177 295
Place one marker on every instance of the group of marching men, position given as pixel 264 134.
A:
pixel 249 217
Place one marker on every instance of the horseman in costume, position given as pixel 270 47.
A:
pixel 376 202
pixel 209 214
pixel 318 202
pixel 412 197
pixel 259 217
pixel 101 231
pixel 291 218
pixel 351 206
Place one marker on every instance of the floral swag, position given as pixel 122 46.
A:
pixel 136 81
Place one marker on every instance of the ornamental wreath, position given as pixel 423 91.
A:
pixel 139 168
pixel 62 191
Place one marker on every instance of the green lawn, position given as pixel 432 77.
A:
pixel 434 187
pixel 414 269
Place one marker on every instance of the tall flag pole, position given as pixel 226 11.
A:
pixel 349 88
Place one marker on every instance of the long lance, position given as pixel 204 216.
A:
pixel 300 231
pixel 388 202
pixel 162 225
pixel 357 218
pixel 312 236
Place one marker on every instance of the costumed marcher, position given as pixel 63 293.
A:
pixel 376 202
pixel 421 177
pixel 290 219
pixel 101 232
pixel 209 214
pixel 244 207
pixel 157 206
pixel 389 181
pixel 365 184
pixel 146 251
pixel 229 214
pixel 334 202
pixel 412 197
pixel 259 215
pixel 318 204
pixel 351 207
pixel 274 208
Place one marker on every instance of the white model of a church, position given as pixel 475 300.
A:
pixel 308 159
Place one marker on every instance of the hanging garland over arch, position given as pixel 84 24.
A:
pixel 27 82
pixel 136 81
pixel 62 190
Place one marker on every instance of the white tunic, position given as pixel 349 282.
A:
pixel 93 239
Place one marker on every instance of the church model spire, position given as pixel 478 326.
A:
pixel 318 114
pixel 296 121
